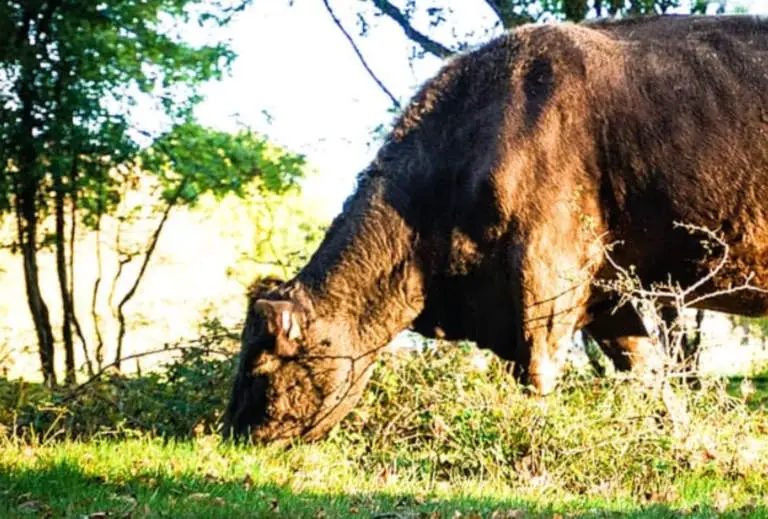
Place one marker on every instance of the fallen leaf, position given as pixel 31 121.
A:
pixel 722 502
pixel 198 496
pixel 507 514
pixel 31 505
pixel 274 505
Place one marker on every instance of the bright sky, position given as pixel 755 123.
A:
pixel 297 66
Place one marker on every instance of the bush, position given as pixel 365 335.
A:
pixel 186 398
pixel 438 415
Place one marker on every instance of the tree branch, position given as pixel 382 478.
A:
pixel 147 257
pixel 180 346
pixel 72 237
pixel 392 98
pixel 99 353
pixel 495 8
pixel 428 44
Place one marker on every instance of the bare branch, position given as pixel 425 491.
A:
pixel 671 292
pixel 428 44
pixel 336 20
pixel 99 353
pixel 143 268
pixel 682 358
pixel 72 237
pixel 197 344
pixel 495 8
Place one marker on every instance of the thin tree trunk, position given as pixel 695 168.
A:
pixel 26 193
pixel 99 352
pixel 61 269
pixel 147 256
pixel 26 223
pixel 72 237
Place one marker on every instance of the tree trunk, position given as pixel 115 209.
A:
pixel 61 268
pixel 27 187
pixel 145 262
pixel 72 236
pixel 27 231
pixel 99 353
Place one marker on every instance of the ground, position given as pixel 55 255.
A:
pixel 437 434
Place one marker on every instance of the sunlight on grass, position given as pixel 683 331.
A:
pixel 150 478
pixel 435 435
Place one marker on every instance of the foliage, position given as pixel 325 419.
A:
pixel 436 416
pixel 191 161
pixel 78 69
pixel 185 398
pixel 755 325
pixel 74 75
pixel 440 430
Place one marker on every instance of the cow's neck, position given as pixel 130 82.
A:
pixel 365 273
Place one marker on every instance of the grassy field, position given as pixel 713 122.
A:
pixel 440 434
pixel 150 478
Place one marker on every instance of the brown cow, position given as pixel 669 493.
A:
pixel 486 212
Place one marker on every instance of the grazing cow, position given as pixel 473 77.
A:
pixel 486 213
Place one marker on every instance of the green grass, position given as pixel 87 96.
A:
pixel 151 478
pixel 433 436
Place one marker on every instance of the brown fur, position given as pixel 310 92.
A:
pixel 486 212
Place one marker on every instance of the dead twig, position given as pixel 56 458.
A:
pixel 197 344
pixel 359 55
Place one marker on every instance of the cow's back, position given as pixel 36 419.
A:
pixel 683 137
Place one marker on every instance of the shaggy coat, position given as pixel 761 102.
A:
pixel 486 214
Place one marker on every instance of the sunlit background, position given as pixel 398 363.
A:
pixel 298 81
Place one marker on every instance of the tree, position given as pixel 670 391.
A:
pixel 191 161
pixel 71 73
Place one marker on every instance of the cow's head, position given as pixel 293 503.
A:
pixel 299 372
pixel 309 345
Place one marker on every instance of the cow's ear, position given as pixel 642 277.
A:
pixel 282 317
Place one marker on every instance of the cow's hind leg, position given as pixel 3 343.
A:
pixel 624 338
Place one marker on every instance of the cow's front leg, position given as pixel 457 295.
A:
pixel 555 292
pixel 541 367
pixel 548 326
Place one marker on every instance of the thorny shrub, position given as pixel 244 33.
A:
pixel 454 412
